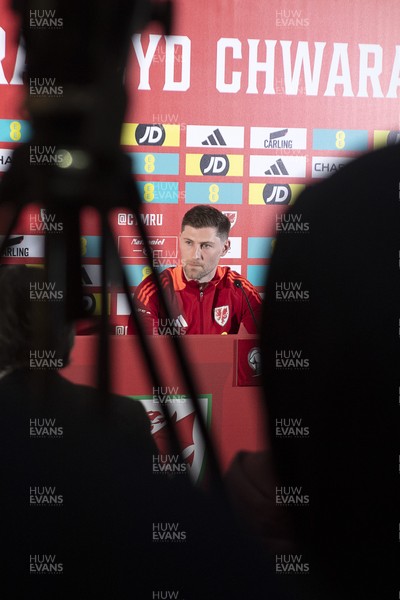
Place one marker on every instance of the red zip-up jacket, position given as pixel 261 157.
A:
pixel 219 308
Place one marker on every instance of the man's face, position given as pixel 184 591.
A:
pixel 201 250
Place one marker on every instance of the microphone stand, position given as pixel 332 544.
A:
pixel 238 284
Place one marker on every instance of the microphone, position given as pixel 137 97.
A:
pixel 237 283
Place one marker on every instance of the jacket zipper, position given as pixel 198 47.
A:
pixel 201 310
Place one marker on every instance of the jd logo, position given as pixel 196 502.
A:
pixel 150 135
pixel 277 194
pixel 214 164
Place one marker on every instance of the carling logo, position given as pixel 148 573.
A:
pixel 278 138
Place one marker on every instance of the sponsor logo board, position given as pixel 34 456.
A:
pixel 214 165
pixel 142 134
pixel 131 246
pixel 14 130
pixel 212 135
pixel 278 138
pixel 213 193
pixel 274 193
pixel 23 246
pixel 340 139
pixel 158 192
pixel 324 166
pixel 277 166
pixel 146 163
pixel 260 247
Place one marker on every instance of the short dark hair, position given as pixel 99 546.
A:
pixel 207 216
pixel 27 324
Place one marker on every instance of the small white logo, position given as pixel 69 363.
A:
pixel 221 315
pixel 254 360
pixel 232 216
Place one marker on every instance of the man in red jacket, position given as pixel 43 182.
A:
pixel 203 297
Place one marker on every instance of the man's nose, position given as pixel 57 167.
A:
pixel 196 251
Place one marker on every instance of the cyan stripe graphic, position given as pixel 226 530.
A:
pixel 154 163
pixel 158 192
pixel 90 245
pixel 257 274
pixel 14 130
pixel 213 193
pixel 260 247
pixel 340 139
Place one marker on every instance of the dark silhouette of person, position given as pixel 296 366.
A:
pixel 82 514
pixel 72 469
pixel 331 364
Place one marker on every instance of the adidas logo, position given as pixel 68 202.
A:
pixel 215 139
pixel 277 169
pixel 180 322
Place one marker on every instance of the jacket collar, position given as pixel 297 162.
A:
pixel 180 280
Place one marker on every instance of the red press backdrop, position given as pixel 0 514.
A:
pixel 243 106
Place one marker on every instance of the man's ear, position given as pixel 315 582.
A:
pixel 226 247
